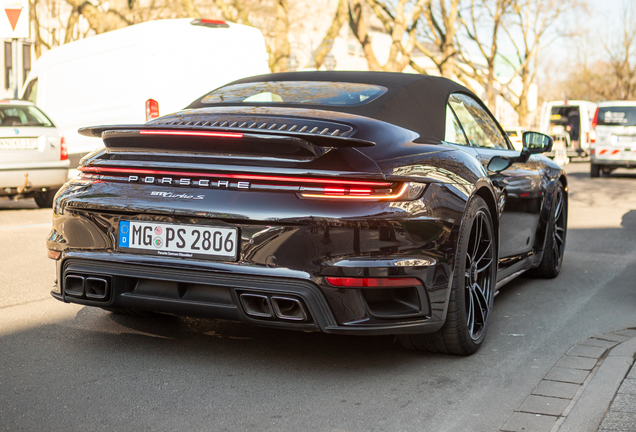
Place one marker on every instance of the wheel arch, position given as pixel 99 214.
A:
pixel 488 196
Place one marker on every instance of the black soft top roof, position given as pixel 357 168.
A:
pixel 416 102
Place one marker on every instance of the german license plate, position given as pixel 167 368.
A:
pixel 18 143
pixel 181 241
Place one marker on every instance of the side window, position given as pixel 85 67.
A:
pixel 480 128
pixel 454 133
pixel 31 92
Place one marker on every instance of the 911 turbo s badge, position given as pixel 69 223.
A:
pixel 173 195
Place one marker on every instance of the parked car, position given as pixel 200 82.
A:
pixel 33 157
pixel 168 64
pixel 358 203
pixel 615 131
pixel 515 135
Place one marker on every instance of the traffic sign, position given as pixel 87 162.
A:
pixel 14 19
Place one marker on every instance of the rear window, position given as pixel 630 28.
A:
pixel 512 134
pixel 23 116
pixel 296 92
pixel 616 116
pixel 562 115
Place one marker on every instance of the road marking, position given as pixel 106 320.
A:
pixel 17 227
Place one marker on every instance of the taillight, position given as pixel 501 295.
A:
pixel 594 123
pixel 401 192
pixel 192 133
pixel 210 23
pixel 347 282
pixel 152 109
pixel 304 187
pixel 63 149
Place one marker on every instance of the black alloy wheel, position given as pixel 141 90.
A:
pixel 554 248
pixel 473 289
pixel 478 276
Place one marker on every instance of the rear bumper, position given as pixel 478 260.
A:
pixel 314 306
pixel 618 155
pixel 34 176
pixel 622 163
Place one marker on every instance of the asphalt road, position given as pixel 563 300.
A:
pixel 67 367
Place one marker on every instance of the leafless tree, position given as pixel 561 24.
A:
pixel 531 24
pixel 398 18
pixel 621 53
pixel 440 27
pixel 482 22
pixel 275 19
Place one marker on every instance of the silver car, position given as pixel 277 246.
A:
pixel 33 155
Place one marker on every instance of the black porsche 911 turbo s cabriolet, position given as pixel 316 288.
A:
pixel 358 203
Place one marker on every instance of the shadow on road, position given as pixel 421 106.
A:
pixel 21 204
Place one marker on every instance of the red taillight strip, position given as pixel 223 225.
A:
pixel 398 194
pixel 192 133
pixel 112 170
pixel 372 282
pixel 212 21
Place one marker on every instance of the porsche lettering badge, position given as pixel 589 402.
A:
pixel 203 183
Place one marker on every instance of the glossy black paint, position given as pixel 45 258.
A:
pixel 288 246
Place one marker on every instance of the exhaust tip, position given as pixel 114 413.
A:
pixel 96 288
pixel 256 305
pixel 74 285
pixel 288 308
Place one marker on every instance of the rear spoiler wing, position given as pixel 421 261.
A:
pixel 202 139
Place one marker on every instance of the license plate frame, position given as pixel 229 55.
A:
pixel 166 237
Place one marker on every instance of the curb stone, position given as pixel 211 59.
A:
pixel 587 390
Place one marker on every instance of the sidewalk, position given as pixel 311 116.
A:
pixel 592 388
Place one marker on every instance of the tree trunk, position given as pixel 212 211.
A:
pixel 323 49
pixel 490 88
pixel 279 53
pixel 98 20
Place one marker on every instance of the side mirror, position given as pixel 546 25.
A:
pixel 498 164
pixel 535 143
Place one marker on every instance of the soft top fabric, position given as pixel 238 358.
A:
pixel 416 102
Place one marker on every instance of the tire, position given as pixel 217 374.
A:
pixel 554 247
pixel 45 199
pixel 595 170
pixel 475 267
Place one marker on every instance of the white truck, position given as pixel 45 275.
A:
pixel 136 73
pixel 615 137
pixel 570 124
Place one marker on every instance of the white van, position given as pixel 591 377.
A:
pixel 570 125
pixel 140 72
pixel 615 145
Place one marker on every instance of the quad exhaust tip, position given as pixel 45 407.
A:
pixel 288 308
pixel 256 305
pixel 277 307
pixel 90 287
